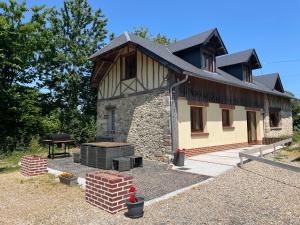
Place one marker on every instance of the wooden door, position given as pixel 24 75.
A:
pixel 251 127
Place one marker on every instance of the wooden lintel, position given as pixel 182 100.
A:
pixel 198 103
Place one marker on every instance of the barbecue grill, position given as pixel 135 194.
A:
pixel 58 138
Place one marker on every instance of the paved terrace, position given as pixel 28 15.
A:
pixel 152 181
pixel 216 163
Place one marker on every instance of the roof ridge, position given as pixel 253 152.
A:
pixel 127 36
pixel 195 35
pixel 268 74
pixel 239 52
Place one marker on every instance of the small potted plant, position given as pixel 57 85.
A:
pixel 179 157
pixel 68 178
pixel 135 205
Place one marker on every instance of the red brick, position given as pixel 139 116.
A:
pixel 115 190
pixel 123 184
pixel 111 185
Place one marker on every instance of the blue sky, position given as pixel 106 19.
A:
pixel 271 27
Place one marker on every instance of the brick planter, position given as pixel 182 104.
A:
pixel 108 190
pixel 32 165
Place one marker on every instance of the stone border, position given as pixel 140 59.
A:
pixel 177 192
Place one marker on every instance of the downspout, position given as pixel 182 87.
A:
pixel 171 111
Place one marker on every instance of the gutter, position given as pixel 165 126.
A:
pixel 171 111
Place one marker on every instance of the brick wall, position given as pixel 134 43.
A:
pixel 202 150
pixel 108 190
pixel 32 165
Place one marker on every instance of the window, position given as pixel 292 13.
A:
pixel 111 120
pixel 248 74
pixel 208 62
pixel 226 118
pixel 128 65
pixel 274 119
pixel 196 119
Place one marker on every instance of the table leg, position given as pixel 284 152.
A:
pixel 52 151
pixel 66 150
pixel 49 149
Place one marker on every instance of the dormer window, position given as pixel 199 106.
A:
pixel 247 74
pixel 208 62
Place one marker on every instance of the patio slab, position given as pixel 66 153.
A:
pixel 151 181
pixel 216 163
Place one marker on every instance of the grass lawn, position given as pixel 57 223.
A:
pixel 290 152
pixel 296 137
pixel 9 162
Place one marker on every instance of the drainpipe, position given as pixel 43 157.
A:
pixel 171 111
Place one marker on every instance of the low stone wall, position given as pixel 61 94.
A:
pixel 32 165
pixel 108 190
pixel 142 120
pixel 268 141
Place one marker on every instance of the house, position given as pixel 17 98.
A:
pixel 190 94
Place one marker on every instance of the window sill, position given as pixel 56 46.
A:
pixel 276 128
pixel 202 134
pixel 228 128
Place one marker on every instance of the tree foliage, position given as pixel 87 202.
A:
pixel 65 70
pixel 158 38
pixel 295 112
pixel 20 43
pixel 45 72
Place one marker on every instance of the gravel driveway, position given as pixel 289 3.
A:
pixel 256 194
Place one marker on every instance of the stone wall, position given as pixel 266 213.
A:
pixel 286 121
pixel 141 119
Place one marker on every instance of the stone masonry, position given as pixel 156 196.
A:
pixel 142 120
pixel 108 190
pixel 285 128
pixel 32 165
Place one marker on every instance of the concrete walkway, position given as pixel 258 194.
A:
pixel 215 163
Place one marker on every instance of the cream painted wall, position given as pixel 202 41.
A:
pixel 213 125
pixel 150 75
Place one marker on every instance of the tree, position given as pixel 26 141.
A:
pixel 20 42
pixel 295 112
pixel 65 70
pixel 159 38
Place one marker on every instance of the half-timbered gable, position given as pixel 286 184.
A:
pixel 148 74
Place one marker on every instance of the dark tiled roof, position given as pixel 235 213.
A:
pixel 165 56
pixel 195 40
pixel 269 80
pixel 237 58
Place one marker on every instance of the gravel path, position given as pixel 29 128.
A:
pixel 256 194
